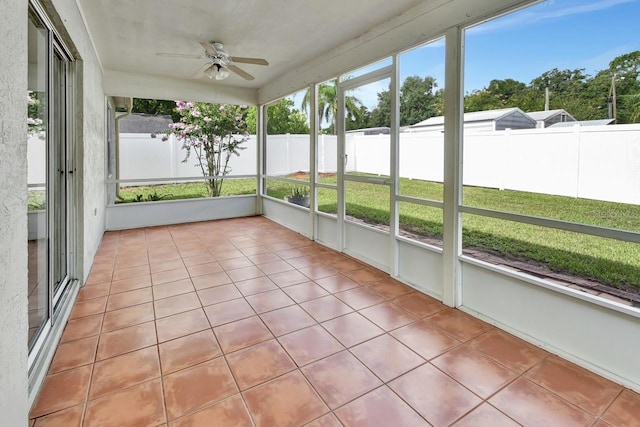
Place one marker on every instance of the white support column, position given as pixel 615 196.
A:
pixel 394 168
pixel 340 163
pixel 453 133
pixel 313 159
pixel 260 149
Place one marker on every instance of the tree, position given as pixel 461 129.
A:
pixel 214 132
pixel 156 107
pixel 328 105
pixel 283 118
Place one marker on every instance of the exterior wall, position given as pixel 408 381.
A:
pixel 13 221
pixel 90 133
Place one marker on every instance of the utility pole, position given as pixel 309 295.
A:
pixel 546 98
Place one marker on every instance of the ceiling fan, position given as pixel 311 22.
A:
pixel 220 63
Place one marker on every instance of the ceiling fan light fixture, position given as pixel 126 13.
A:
pixel 218 72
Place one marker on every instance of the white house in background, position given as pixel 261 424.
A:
pixel 547 118
pixel 491 120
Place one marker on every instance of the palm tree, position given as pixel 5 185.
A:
pixel 328 104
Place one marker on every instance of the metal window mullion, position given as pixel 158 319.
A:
pixel 418 201
pixel 340 163
pixel 452 224
pixel 313 158
pixel 394 168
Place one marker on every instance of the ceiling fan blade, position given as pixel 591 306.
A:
pixel 201 71
pixel 178 55
pixel 256 61
pixel 240 72
pixel 208 47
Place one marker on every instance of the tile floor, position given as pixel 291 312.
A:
pixel 244 323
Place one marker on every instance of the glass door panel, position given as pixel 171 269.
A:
pixel 38 201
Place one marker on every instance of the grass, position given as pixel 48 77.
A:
pixel 607 261
pixel 187 190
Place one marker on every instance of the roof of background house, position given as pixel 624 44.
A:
pixel 546 115
pixel 145 123
pixel 602 122
pixel 477 116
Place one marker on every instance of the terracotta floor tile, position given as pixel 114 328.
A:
pixel 164 257
pixel 286 401
pixel 302 261
pixel 340 378
pixel 288 278
pixel 390 288
pixel 73 354
pixel 625 410
pixel 181 324
pixel 229 412
pixel 204 258
pixel 94 291
pixel 211 280
pixel 130 284
pixel 131 261
pixel 263 258
pixel 218 294
pixel 477 372
pixel 584 389
pixel 203 269
pixel 508 350
pixel 328 420
pixel 187 351
pixel 289 253
pixel 275 267
pixel 381 407
pixel 326 308
pixel 419 304
pixel 198 386
pixel 228 311
pixel 255 286
pixel 268 301
pixel 141 405
pixel 530 404
pixel 305 292
pixel 310 344
pixel 458 324
pixel 344 265
pixel 425 339
pixel 359 298
pixel 259 363
pixel 438 398
pixel 352 329
pixel 169 276
pixel 131 272
pixel 241 334
pixel 123 371
pixel 172 289
pixel 366 275
pixel 129 298
pixel 129 316
pixel 337 283
pixel 71 417
pixel 244 273
pixel 226 254
pixel 174 264
pixel 98 277
pixel 388 316
pixel 177 304
pixel 386 357
pixel 288 319
pixel 82 328
pixel 125 340
pixel 486 415
pixel 236 263
pixel 61 391
pixel 317 271
pixel 88 308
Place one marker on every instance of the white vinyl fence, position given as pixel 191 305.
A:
pixel 599 162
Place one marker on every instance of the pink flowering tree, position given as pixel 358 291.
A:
pixel 214 133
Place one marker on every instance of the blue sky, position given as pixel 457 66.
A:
pixel 563 34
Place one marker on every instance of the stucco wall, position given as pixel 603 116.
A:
pixel 90 132
pixel 13 218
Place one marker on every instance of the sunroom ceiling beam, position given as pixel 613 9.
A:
pixel 119 83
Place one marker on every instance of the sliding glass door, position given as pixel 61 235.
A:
pixel 49 166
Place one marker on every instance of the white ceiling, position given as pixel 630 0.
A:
pixel 127 34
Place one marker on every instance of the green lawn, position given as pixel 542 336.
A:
pixel 608 261
pixel 187 190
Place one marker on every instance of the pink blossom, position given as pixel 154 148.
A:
pixel 207 119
